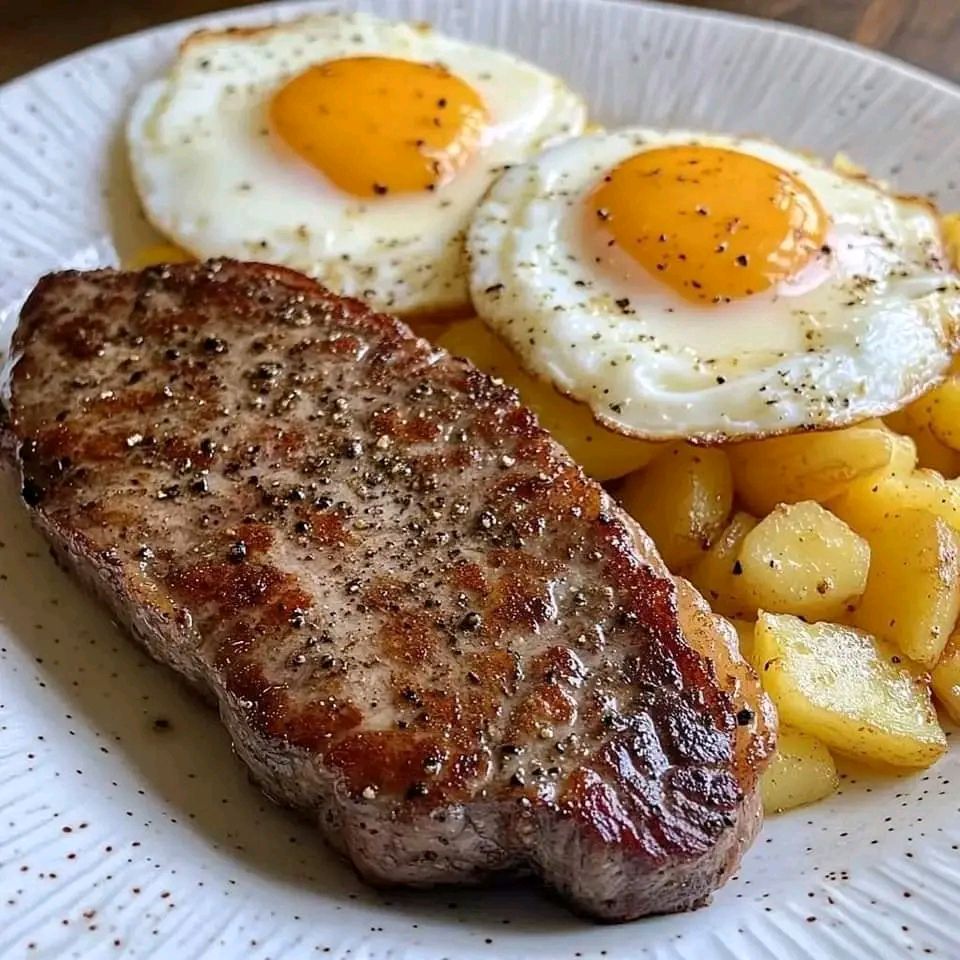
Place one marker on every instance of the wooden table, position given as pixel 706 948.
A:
pixel 926 32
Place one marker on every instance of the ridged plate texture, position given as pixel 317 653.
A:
pixel 127 827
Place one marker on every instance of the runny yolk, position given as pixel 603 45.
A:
pixel 715 225
pixel 379 125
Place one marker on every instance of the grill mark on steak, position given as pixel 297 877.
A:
pixel 422 622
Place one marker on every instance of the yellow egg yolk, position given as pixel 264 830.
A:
pixel 379 125
pixel 713 224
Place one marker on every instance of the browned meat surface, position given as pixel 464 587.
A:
pixel 421 623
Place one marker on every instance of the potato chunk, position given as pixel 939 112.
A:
pixel 801 771
pixel 801 559
pixel 812 466
pixel 946 678
pixel 913 591
pixel 682 500
pixel 934 455
pixel 927 490
pixel 942 408
pixel 717 573
pixel 913 421
pixel 902 464
pixel 603 454
pixel 745 629
pixel 849 690
pixel 950 225
pixel 903 460
pixel 154 255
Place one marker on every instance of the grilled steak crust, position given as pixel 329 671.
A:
pixel 423 625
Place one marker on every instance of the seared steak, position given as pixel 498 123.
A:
pixel 421 623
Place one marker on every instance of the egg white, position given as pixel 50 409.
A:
pixel 211 177
pixel 870 325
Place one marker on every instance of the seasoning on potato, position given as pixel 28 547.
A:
pixel 854 692
pixel 801 772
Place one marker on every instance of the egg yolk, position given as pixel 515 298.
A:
pixel 379 125
pixel 713 224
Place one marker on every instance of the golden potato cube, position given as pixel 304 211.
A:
pixel 801 559
pixel 603 454
pixel 912 597
pixel 801 771
pixel 902 464
pixel 155 254
pixel 932 454
pixel 682 500
pixel 945 678
pixel 928 490
pixel 429 327
pixel 848 689
pixel 942 408
pixel 951 235
pixel 899 421
pixel 811 466
pixel 863 502
pixel 903 460
pixel 745 629
pixel 717 574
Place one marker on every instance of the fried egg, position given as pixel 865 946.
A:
pixel 345 146
pixel 711 287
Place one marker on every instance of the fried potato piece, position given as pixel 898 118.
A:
pixel 941 407
pixel 848 689
pixel 951 235
pixel 810 466
pixel 682 500
pixel 803 560
pixel 717 574
pixel 745 630
pixel 899 485
pixel 932 454
pixel 801 772
pixel 945 677
pixel 926 490
pixel 155 254
pixel 912 597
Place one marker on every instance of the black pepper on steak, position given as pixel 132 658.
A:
pixel 415 611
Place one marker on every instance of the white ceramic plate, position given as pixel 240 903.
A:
pixel 127 828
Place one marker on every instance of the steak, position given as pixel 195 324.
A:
pixel 421 623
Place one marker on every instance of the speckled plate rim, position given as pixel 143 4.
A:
pixel 156 866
